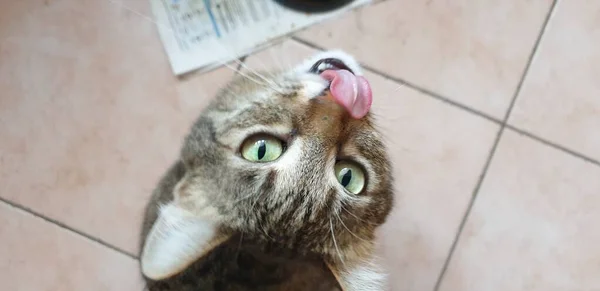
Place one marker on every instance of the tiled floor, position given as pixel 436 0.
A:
pixel 491 109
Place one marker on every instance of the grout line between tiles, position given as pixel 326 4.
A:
pixel 529 63
pixel 448 101
pixel 553 145
pixel 410 85
pixel 502 123
pixel 66 227
pixel 433 94
pixel 488 162
pixel 463 222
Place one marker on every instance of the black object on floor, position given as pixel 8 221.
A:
pixel 313 6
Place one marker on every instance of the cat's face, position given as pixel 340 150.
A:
pixel 282 157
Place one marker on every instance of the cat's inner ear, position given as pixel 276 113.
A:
pixel 179 237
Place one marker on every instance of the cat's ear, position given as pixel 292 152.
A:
pixel 359 276
pixel 183 233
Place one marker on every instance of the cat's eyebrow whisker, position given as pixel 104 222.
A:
pixel 400 86
pixel 335 243
pixel 389 94
pixel 235 70
pixel 262 64
pixel 285 60
pixel 144 16
pixel 243 74
pixel 344 225
pixel 283 66
pixel 275 61
pixel 269 82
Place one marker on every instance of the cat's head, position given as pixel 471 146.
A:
pixel 291 157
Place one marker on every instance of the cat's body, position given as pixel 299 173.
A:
pixel 281 185
pixel 242 263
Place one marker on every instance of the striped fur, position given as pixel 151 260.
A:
pixel 289 221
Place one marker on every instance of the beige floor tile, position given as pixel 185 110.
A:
pixel 438 153
pixel 90 114
pixel 534 224
pixel 281 56
pixel 473 52
pixel 37 255
pixel 560 100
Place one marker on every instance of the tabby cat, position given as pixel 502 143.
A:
pixel 280 185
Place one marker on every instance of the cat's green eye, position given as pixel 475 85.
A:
pixel 262 148
pixel 350 175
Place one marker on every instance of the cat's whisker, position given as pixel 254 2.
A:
pixel 266 71
pixel 352 233
pixel 243 198
pixel 265 231
pixel 228 90
pixel 400 86
pixel 144 16
pixel 335 243
pixel 262 64
pixel 234 69
pixel 242 65
pixel 260 226
pixel 286 62
pixel 354 215
pixel 237 253
pixel 388 95
pixel 166 27
pixel 275 62
pixel 272 84
pixel 278 61
pixel 243 74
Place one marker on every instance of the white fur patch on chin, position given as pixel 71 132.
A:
pixel 364 277
pixel 313 86
pixel 336 54
pixel 176 240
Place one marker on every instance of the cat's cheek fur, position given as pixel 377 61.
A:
pixel 177 239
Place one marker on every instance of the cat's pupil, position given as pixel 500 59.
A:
pixel 262 149
pixel 346 177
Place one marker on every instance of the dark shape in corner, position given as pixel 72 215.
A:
pixel 313 6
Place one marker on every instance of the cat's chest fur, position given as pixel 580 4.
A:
pixel 240 263
pixel 236 266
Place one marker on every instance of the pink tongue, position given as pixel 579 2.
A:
pixel 350 91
